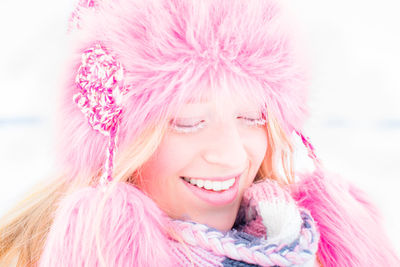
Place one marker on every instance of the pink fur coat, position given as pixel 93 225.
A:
pixel 133 231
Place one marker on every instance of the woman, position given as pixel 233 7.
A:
pixel 176 149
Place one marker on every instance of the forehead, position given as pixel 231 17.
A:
pixel 229 90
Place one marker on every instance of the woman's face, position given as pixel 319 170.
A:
pixel 208 157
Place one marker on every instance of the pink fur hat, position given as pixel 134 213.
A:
pixel 172 51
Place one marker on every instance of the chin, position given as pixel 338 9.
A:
pixel 220 219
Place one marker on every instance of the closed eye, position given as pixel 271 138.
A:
pixel 253 121
pixel 187 126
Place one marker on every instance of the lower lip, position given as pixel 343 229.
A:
pixel 215 198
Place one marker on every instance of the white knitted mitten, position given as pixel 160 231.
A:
pixel 269 203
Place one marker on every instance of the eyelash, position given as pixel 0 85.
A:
pixel 254 122
pixel 188 128
pixel 199 125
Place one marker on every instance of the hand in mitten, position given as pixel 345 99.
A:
pixel 270 211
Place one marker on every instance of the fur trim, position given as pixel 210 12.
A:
pixel 176 50
pixel 130 225
pixel 350 226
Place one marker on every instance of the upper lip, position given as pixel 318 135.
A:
pixel 221 178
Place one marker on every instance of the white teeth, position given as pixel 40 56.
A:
pixel 217 186
pixel 231 182
pixel 211 185
pixel 200 183
pixel 208 184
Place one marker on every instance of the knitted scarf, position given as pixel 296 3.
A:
pixel 270 230
pixel 210 247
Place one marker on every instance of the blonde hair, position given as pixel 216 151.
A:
pixel 24 229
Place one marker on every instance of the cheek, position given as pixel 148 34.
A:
pixel 158 175
pixel 167 163
pixel 258 144
pixel 256 148
pixel 173 155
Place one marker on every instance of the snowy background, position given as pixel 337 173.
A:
pixel 355 96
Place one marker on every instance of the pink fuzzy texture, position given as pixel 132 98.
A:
pixel 175 50
pixel 351 234
pixel 130 231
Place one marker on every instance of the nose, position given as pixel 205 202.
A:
pixel 226 148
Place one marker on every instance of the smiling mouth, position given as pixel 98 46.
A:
pixel 210 185
pixel 216 191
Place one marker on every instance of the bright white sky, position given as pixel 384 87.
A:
pixel 355 97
